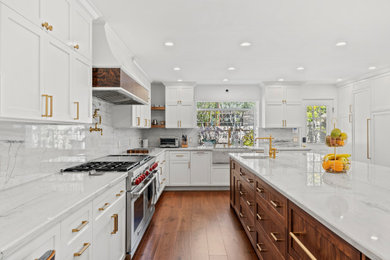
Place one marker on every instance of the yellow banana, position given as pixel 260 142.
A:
pixel 338 156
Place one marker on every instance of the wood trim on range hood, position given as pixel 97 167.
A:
pixel 115 86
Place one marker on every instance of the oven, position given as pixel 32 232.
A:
pixel 140 209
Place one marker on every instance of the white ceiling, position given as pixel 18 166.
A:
pixel 284 34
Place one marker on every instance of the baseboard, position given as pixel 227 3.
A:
pixel 195 188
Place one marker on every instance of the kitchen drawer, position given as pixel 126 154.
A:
pixel 104 201
pixel 179 156
pixel 247 220
pixel 247 177
pixel 248 196
pixel 263 247
pixel 81 247
pixel 278 204
pixel 307 237
pixel 261 189
pixel 273 229
pixel 76 224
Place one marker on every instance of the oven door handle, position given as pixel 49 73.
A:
pixel 137 194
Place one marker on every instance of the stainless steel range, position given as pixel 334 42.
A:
pixel 141 190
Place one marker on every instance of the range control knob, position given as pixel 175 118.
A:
pixel 147 173
pixel 154 166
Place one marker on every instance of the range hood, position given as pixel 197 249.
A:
pixel 112 64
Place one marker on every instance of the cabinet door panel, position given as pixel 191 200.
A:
pixel 171 116
pixel 172 95
pixel 56 13
pixel 56 79
pixel 381 93
pixel 81 33
pixel 81 91
pixel 361 114
pixel 179 173
pixel 186 116
pixel 28 8
pixel 200 168
pixel 118 239
pixel 293 94
pixel 274 115
pixel 294 115
pixel 274 94
pixel 20 68
pixel 187 95
pixel 380 140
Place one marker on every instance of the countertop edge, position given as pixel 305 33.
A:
pixel 328 225
pixel 11 247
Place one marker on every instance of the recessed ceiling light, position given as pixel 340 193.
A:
pixel 372 68
pixel 169 44
pixel 245 44
pixel 339 80
pixel 341 44
pixel 373 237
pixel 281 80
pixel 231 68
pixel 176 68
pixel 300 68
pixel 180 80
pixel 225 80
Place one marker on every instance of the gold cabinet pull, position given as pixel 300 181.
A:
pixel 249 180
pixel 85 247
pixel 248 202
pixel 302 246
pixel 241 215
pixel 249 228
pixel 260 248
pixel 104 206
pixel 189 165
pixel 177 123
pixel 51 106
pixel 77 111
pixel 50 28
pixel 82 225
pixel 120 193
pixel 259 190
pixel 45 25
pixel 273 203
pixel 46 105
pixel 138 121
pixel 241 193
pixel 368 138
pixel 259 217
pixel 76 46
pixel 274 237
pixel 115 217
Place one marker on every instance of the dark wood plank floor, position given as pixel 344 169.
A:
pixel 195 225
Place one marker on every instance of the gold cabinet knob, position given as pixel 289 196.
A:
pixel 45 25
pixel 49 28
pixel 76 46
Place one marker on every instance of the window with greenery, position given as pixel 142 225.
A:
pixel 216 119
pixel 316 119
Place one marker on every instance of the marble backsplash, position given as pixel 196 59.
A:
pixel 153 135
pixel 29 151
pixel 284 137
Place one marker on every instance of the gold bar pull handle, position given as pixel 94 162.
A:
pixel 82 225
pixel 274 237
pixel 368 138
pixel 260 248
pixel 259 190
pixel 104 206
pixel 120 193
pixel 241 215
pixel 273 203
pixel 249 203
pixel 259 217
pixel 46 105
pixel 85 247
pixel 77 110
pixel 249 228
pixel 301 245
pixel 249 180
pixel 138 121
pixel 51 106
pixel 115 217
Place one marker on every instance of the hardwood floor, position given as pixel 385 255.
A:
pixel 195 225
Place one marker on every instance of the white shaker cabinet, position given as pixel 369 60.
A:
pixel 80 33
pixel 179 168
pixel 200 168
pixel 20 68
pixel 283 106
pixel 180 107
pixel 55 19
pixel 131 116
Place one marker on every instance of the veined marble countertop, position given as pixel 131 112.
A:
pixel 26 210
pixel 355 206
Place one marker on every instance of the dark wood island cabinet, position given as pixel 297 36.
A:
pixel 279 229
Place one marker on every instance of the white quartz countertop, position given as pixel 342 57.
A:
pixel 355 206
pixel 28 209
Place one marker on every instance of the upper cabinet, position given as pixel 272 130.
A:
pixel 283 106
pixel 131 116
pixel 380 93
pixel 42 78
pixel 180 106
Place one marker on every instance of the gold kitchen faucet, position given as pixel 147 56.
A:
pixel 272 150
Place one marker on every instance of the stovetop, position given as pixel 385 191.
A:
pixel 117 163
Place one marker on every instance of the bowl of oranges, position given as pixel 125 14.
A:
pixel 336 164
pixel 336 138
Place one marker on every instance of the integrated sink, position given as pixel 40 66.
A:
pixel 254 157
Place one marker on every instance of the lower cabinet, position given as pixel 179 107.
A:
pixel 179 168
pixel 200 168
pixel 96 230
pixel 277 228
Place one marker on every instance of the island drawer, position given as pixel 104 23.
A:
pixel 273 229
pixel 247 194
pixel 263 247
pixel 278 204
pixel 247 177
pixel 309 238
pixel 261 189
pixel 247 220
